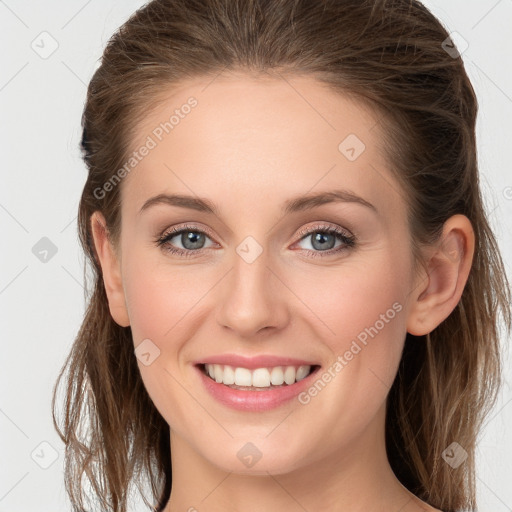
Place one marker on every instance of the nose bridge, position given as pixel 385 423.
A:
pixel 251 300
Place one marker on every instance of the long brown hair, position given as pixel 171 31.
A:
pixel 387 53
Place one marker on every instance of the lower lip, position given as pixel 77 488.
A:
pixel 254 400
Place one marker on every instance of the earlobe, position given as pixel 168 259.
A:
pixel 438 291
pixel 110 268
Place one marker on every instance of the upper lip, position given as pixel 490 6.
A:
pixel 251 363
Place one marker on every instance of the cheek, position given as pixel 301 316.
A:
pixel 162 303
pixel 361 320
pixel 360 313
pixel 353 297
pixel 161 298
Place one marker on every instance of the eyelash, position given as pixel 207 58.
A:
pixel 348 240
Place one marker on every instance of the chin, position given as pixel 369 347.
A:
pixel 256 457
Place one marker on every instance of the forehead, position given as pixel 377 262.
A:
pixel 244 138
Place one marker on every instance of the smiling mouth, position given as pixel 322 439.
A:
pixel 259 379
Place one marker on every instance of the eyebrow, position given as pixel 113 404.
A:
pixel 296 204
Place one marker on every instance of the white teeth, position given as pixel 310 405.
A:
pixel 289 375
pixel 243 377
pixel 229 375
pixel 276 376
pixel 219 373
pixel 259 378
pixel 302 372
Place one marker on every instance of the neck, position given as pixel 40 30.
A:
pixel 358 478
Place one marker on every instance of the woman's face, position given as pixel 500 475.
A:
pixel 265 279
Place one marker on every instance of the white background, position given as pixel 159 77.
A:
pixel 42 304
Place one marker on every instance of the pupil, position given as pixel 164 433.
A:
pixel 192 240
pixel 321 239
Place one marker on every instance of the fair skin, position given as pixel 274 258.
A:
pixel 248 147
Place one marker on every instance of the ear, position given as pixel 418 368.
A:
pixel 110 268
pixel 439 288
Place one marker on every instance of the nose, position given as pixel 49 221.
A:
pixel 253 299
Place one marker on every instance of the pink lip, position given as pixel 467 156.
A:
pixel 254 400
pixel 251 363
